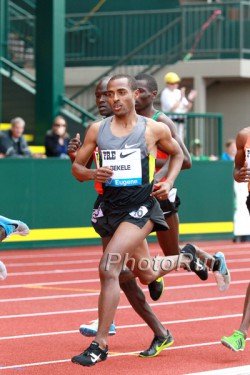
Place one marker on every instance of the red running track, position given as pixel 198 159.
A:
pixel 49 293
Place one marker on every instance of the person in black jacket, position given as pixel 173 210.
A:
pixel 12 142
pixel 57 139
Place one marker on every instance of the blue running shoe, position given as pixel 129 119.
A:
pixel 221 272
pixel 90 330
pixel 13 227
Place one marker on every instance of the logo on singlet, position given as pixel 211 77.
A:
pixel 125 155
pixel 131 146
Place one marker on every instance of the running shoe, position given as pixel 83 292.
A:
pixel 3 271
pixel 92 355
pixel 156 288
pixel 196 265
pixel 90 330
pixel 236 342
pixel 14 227
pixel 157 345
pixel 221 272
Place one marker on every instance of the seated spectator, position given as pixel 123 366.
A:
pixel 196 151
pixel 12 142
pixel 230 150
pixel 57 139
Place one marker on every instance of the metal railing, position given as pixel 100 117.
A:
pixel 104 38
pixel 207 128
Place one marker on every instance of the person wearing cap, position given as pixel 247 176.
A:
pixel 174 100
pixel 196 151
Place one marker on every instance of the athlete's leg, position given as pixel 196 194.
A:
pixel 245 323
pixel 137 299
pixel 237 340
pixel 120 246
pixel 169 240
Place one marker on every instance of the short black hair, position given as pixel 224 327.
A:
pixel 131 80
pixel 151 82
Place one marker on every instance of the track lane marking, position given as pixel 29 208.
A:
pixel 74 270
pixel 112 356
pixel 127 326
pixel 61 288
pixel 87 261
pixel 236 250
pixel 12 286
pixel 121 307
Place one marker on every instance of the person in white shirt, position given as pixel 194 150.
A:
pixel 174 100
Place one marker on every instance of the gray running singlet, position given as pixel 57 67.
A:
pixel 131 163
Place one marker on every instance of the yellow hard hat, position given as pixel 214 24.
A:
pixel 172 77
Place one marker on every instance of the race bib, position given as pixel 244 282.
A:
pixel 138 214
pixel 126 166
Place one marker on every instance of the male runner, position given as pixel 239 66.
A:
pixel 169 240
pixel 128 203
pixel 237 341
pixel 131 289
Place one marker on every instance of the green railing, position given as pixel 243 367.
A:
pixel 216 30
pixel 78 113
pixel 18 75
pixel 208 128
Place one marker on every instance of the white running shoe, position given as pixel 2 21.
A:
pixel 3 271
pixel 90 330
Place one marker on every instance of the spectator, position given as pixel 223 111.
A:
pixel 12 142
pixel 57 139
pixel 174 100
pixel 230 150
pixel 196 151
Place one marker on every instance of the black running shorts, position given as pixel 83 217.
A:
pixel 106 224
pixel 169 208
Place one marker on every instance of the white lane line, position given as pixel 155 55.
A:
pixel 178 302
pixel 36 264
pixel 237 250
pixel 69 282
pixel 86 261
pixel 239 370
pixel 73 270
pixel 17 366
pixel 50 283
pixel 90 293
pixel 207 318
pixel 68 254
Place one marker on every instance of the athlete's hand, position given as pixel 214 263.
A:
pixel 244 174
pixel 161 190
pixel 103 174
pixel 74 145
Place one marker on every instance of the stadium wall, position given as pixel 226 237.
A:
pixel 57 208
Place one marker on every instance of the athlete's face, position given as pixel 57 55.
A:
pixel 101 99
pixel 145 97
pixel 121 97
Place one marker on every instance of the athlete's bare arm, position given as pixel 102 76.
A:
pixel 79 167
pixel 158 134
pixel 241 171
